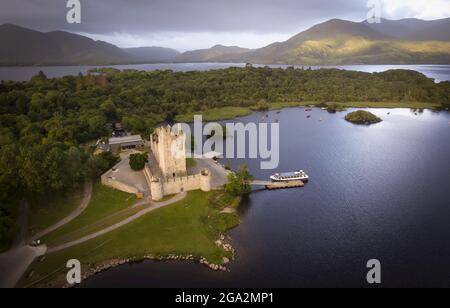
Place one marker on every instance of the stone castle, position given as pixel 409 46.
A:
pixel 166 173
pixel 169 150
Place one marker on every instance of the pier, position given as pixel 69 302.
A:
pixel 278 185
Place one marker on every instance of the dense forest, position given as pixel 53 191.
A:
pixel 45 123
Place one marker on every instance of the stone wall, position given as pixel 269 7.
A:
pixel 114 183
pixel 181 184
pixel 165 187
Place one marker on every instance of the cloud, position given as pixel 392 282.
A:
pixel 142 16
pixel 187 24
pixel 422 9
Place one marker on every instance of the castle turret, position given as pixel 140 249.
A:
pixel 156 189
pixel 205 180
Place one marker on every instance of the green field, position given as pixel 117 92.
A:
pixel 216 114
pixel 47 212
pixel 184 228
pixel 107 206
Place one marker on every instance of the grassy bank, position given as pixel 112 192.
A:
pixel 47 212
pixel 228 113
pixel 189 227
pixel 107 206
pixel 216 114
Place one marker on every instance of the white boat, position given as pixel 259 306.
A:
pixel 290 176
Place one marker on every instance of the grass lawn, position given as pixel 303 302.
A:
pixel 184 228
pixel 46 212
pixel 107 206
pixel 216 114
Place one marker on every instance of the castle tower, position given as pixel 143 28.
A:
pixel 168 147
pixel 205 180
pixel 156 189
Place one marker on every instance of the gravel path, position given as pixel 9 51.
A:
pixel 87 194
pixel 118 225
pixel 14 263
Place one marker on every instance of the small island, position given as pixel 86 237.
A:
pixel 362 117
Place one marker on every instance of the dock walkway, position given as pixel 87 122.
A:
pixel 278 185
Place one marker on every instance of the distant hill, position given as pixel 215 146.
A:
pixel 152 54
pixel 414 29
pixel 344 42
pixel 21 46
pixel 335 42
pixel 217 53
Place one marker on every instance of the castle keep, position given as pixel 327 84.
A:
pixel 166 172
pixel 169 150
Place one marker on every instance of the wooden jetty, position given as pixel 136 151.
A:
pixel 279 185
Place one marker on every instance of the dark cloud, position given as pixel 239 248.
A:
pixel 190 24
pixel 143 16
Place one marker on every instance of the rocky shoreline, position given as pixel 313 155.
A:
pixel 221 243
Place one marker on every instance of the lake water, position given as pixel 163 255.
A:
pixel 377 192
pixel 437 72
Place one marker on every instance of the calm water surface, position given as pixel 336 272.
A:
pixel 438 72
pixel 375 192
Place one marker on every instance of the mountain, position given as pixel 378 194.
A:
pixel 217 53
pixel 335 42
pixel 344 42
pixel 21 46
pixel 414 29
pixel 152 54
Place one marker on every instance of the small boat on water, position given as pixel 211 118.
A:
pixel 290 176
pixel 309 117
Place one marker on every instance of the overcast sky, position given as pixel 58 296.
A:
pixel 192 24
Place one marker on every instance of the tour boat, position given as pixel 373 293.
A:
pixel 290 176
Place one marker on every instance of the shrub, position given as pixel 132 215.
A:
pixel 138 161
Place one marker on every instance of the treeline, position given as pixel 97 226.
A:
pixel 45 123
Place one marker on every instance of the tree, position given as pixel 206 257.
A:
pixel 138 161
pixel 8 229
pixel 39 78
pixel 99 164
pixel 239 182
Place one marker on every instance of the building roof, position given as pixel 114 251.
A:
pixel 126 139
